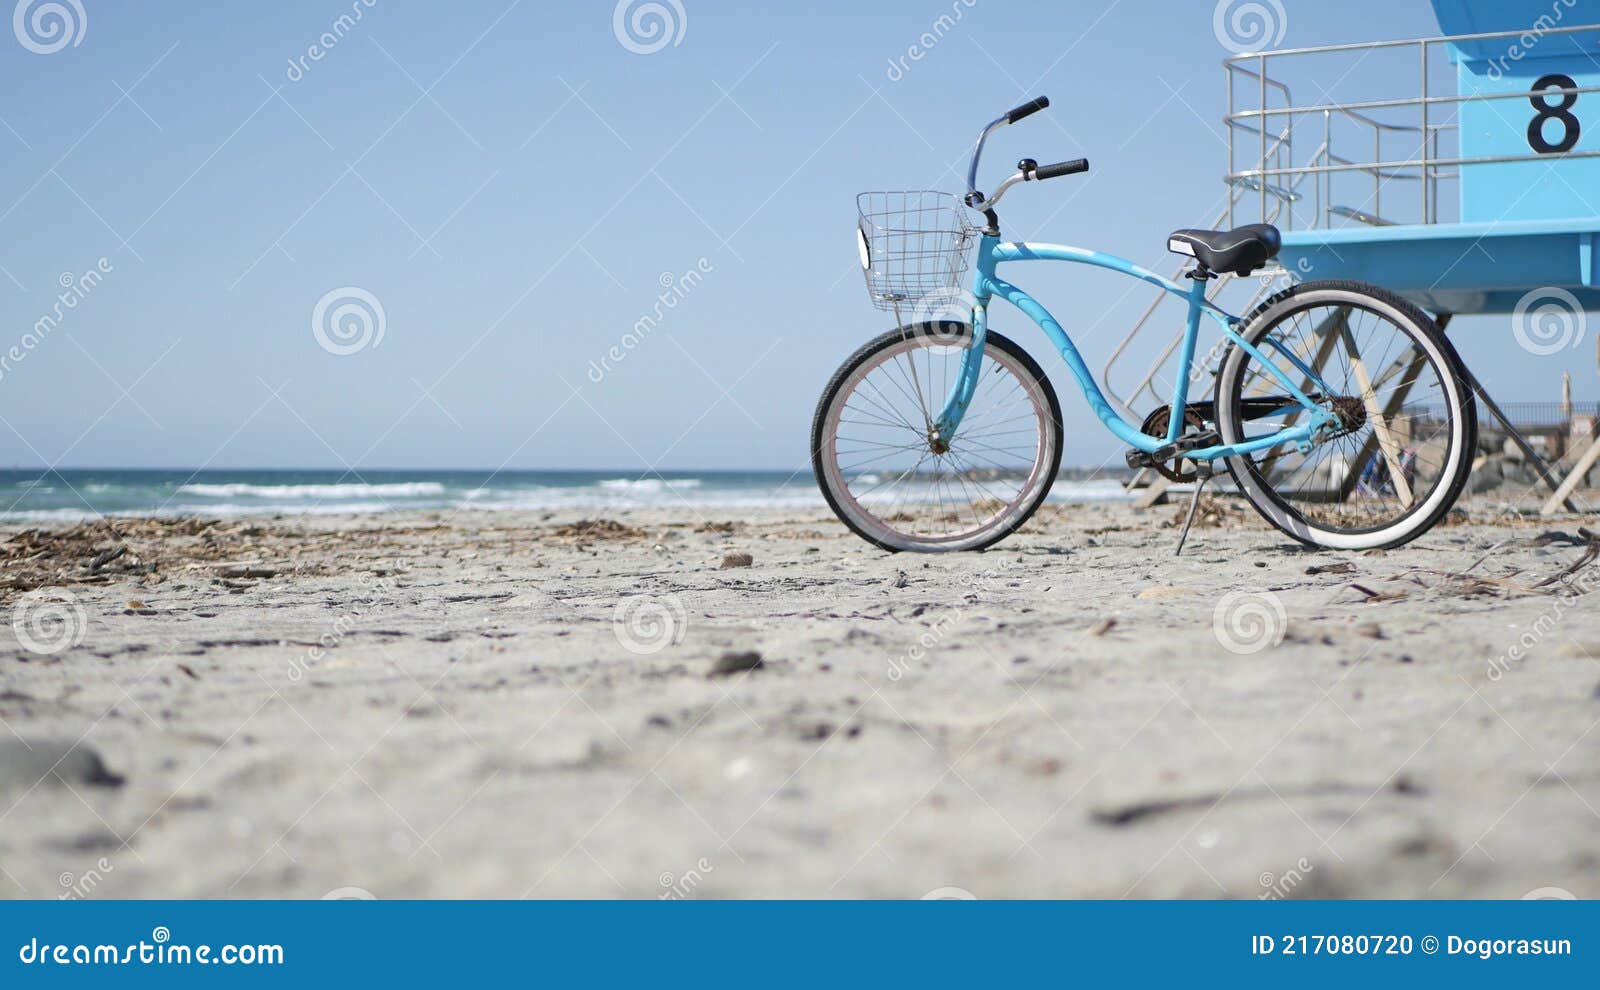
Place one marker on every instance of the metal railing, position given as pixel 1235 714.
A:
pixel 1526 416
pixel 1426 157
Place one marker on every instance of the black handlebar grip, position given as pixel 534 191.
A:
pixel 1062 168
pixel 1031 107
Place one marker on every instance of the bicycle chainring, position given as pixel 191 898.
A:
pixel 1155 425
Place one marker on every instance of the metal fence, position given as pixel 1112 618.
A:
pixel 1523 415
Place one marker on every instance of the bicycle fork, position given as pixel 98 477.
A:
pixel 943 428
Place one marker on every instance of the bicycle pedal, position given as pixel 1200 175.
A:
pixel 1137 459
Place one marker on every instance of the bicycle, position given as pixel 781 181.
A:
pixel 906 474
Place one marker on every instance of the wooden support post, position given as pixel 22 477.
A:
pixel 1563 494
pixel 1380 423
pixel 1155 493
pixel 1396 402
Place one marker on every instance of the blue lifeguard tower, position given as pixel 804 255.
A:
pixel 1477 197
pixel 1519 138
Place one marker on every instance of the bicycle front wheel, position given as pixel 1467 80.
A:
pixel 889 482
pixel 1407 424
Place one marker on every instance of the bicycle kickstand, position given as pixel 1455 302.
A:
pixel 1202 474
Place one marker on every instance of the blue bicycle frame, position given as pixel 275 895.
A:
pixel 987 285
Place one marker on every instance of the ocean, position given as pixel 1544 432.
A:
pixel 68 495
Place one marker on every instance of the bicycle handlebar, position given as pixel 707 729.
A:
pixel 1062 168
pixel 1027 109
pixel 978 200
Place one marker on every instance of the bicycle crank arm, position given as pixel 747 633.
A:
pixel 1194 441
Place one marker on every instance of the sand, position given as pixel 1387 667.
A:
pixel 511 705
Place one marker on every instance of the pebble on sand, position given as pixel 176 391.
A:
pixel 1102 627
pixel 26 763
pixel 1159 591
pixel 736 558
pixel 734 662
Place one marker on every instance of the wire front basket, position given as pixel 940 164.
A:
pixel 913 245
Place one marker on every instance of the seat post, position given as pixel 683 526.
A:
pixel 1191 335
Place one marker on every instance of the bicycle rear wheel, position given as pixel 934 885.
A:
pixel 1408 424
pixel 883 477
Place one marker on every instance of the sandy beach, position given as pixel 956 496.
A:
pixel 521 704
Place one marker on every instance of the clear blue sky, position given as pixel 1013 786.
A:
pixel 511 182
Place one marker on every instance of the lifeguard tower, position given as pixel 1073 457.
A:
pixel 1477 198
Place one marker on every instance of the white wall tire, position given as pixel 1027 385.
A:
pixel 1460 433
pixel 879 525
